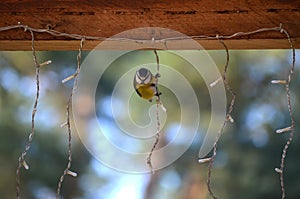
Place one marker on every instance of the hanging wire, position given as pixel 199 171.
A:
pixel 77 36
pixel 291 128
pixel 21 160
pixel 158 103
pixel 67 170
pixel 227 118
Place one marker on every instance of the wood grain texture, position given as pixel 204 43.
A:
pixel 105 18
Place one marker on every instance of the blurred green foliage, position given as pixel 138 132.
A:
pixel 249 149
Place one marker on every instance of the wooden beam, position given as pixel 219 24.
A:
pixel 89 45
pixel 105 18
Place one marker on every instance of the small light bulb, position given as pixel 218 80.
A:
pixel 230 118
pixel 215 82
pixel 203 160
pixel 63 124
pixel 25 165
pixel 278 81
pixel 71 173
pixel 278 170
pixel 46 63
pixel 284 129
pixel 69 78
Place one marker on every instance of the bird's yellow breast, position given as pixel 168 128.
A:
pixel 146 91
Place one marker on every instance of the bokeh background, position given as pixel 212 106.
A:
pixel 249 149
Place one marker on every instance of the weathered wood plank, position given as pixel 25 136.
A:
pixel 105 18
pixel 89 45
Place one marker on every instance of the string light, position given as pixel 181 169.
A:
pixel 25 165
pixel 227 118
pixel 45 63
pixel 26 28
pixel 67 170
pixel 291 128
pixel 164 40
pixel 69 78
pixel 21 159
pixel 158 103
pixel 284 129
pixel 278 81
pixel 204 160
pixel 63 124
pixel 215 82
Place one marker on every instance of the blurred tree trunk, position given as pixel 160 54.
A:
pixel 194 186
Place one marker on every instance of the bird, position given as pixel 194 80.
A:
pixel 145 84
